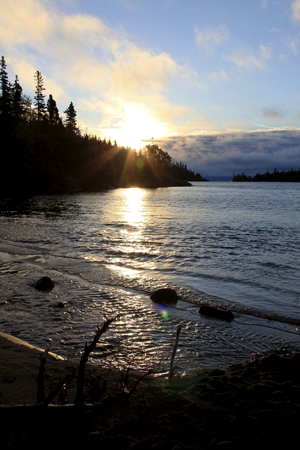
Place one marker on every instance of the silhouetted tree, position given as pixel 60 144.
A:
pixel 5 100
pixel 52 109
pixel 17 99
pixel 70 120
pixel 39 98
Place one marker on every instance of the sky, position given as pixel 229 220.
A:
pixel 214 83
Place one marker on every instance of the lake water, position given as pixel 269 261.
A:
pixel 230 245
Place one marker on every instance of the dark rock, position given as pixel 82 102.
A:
pixel 44 284
pixel 60 304
pixel 164 296
pixel 216 313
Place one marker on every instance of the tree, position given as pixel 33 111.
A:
pixel 39 97
pixel 70 121
pixel 157 155
pixel 52 109
pixel 17 99
pixel 5 100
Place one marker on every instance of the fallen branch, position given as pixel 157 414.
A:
pixel 174 352
pixel 79 399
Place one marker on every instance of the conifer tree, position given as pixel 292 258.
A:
pixel 5 100
pixel 17 99
pixel 52 109
pixel 70 121
pixel 39 97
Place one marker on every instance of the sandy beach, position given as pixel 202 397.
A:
pixel 253 404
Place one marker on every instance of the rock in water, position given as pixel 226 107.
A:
pixel 44 284
pixel 216 313
pixel 164 296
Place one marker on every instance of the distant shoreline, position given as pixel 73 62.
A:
pixel 290 176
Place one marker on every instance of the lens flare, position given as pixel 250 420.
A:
pixel 164 312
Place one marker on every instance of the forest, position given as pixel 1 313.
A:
pixel 41 152
pixel 288 176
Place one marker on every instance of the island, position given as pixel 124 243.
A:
pixel 288 176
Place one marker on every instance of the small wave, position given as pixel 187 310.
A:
pixel 130 254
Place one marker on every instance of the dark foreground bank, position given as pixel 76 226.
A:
pixel 254 404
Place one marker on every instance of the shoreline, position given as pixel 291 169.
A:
pixel 245 405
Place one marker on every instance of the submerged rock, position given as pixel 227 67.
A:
pixel 216 313
pixel 44 284
pixel 166 295
pixel 60 304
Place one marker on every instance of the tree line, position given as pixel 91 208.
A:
pixel 41 152
pixel 288 176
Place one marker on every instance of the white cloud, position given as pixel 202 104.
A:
pixel 127 5
pixel 249 60
pixel 216 108
pixel 97 67
pixel 266 51
pixel 209 38
pixel 246 61
pixel 219 76
pixel 263 4
pixel 296 10
pixel 293 44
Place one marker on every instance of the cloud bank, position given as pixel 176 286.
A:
pixel 224 153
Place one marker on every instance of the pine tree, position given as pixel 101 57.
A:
pixel 5 100
pixel 70 121
pixel 39 97
pixel 52 109
pixel 17 99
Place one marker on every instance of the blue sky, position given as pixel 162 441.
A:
pixel 215 83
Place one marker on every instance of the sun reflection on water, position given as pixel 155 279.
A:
pixel 131 244
pixel 134 211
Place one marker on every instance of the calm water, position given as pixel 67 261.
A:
pixel 233 245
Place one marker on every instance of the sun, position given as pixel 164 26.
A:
pixel 138 126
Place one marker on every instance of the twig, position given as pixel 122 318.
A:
pixel 59 386
pixel 136 383
pixel 174 351
pixel 79 399
pixel 125 380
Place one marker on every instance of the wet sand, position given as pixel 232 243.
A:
pixel 253 404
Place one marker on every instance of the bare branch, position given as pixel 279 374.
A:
pixel 79 400
pixel 59 386
pixel 136 383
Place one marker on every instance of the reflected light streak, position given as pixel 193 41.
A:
pixel 130 273
pixel 134 212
